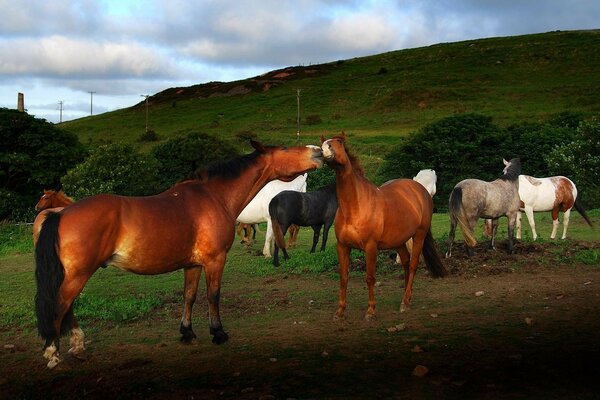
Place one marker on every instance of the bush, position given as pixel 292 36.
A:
pixel 580 161
pixel 319 178
pixel 34 155
pixel 148 136
pixel 457 147
pixel 113 168
pixel 182 156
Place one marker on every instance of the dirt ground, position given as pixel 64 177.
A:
pixel 525 326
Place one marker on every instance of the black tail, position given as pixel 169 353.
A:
pixel 581 210
pixel 49 275
pixel 277 231
pixel 432 257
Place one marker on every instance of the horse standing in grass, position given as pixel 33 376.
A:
pixel 51 201
pixel 472 199
pixel 190 226
pixel 548 194
pixel 257 210
pixel 315 209
pixel 374 218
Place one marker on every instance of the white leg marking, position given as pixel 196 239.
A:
pixel 52 356
pixel 77 342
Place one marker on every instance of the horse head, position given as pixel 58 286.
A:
pixel 512 169
pixel 288 162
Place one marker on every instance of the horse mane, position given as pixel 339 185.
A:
pixel 354 161
pixel 231 168
pixel 62 196
pixel 513 171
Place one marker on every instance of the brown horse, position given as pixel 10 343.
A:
pixel 51 201
pixel 374 218
pixel 190 226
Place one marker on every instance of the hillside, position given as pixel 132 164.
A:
pixel 377 98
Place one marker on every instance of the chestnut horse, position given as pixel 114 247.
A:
pixel 51 201
pixel 190 226
pixel 372 218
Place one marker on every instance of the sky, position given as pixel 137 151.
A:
pixel 57 52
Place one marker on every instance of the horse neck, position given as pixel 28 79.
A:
pixel 235 194
pixel 348 185
pixel 60 200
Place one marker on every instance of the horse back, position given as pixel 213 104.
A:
pixel 545 194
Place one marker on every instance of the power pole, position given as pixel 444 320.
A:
pixel 60 106
pixel 298 114
pixel 91 102
pixel 146 96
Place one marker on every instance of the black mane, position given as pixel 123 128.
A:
pixel 232 168
pixel 513 171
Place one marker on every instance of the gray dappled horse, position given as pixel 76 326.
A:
pixel 473 198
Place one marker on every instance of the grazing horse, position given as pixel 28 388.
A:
pixel 257 210
pixel 315 209
pixel 51 201
pixel 472 199
pixel 190 226
pixel 372 218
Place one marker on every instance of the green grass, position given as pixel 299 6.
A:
pixel 512 79
pixel 117 297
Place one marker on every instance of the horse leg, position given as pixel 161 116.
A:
pixel 409 273
pixel 191 277
pixel 343 254
pixel 268 239
pixel 529 213
pixel 494 229
pixel 326 228
pixel 404 256
pixel 213 272
pixel 511 232
pixel 371 259
pixel 316 234
pixel 518 230
pixel 555 221
pixel 77 337
pixel 566 217
pixel 453 223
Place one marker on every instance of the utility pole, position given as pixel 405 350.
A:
pixel 146 96
pixel 91 101
pixel 60 107
pixel 298 114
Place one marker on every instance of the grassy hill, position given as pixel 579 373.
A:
pixel 376 98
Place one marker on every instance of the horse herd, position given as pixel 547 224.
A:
pixel 192 226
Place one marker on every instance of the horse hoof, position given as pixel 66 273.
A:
pixel 220 337
pixel 403 307
pixel 338 317
pixel 54 361
pixel 370 317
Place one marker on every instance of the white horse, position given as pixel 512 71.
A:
pixel 427 178
pixel 257 210
pixel 548 194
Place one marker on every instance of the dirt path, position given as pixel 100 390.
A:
pixel 494 329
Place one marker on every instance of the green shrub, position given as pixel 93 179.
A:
pixel 113 168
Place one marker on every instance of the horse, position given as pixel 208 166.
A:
pixel 51 201
pixel 257 210
pixel 554 194
pixel 473 198
pixel 244 230
pixel 372 218
pixel 427 178
pixel 315 209
pixel 189 226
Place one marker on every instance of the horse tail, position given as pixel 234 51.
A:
pixel 277 231
pixel 432 257
pixel 581 210
pixel 458 211
pixel 49 275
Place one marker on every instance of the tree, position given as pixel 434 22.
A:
pixel 182 156
pixel 34 154
pixel 457 147
pixel 113 168
pixel 580 161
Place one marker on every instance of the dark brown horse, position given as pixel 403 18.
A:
pixel 190 226
pixel 374 218
pixel 51 201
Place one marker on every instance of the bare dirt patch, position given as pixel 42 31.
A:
pixel 500 326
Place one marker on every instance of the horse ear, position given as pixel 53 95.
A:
pixel 323 139
pixel 258 146
pixel 505 162
pixel 343 136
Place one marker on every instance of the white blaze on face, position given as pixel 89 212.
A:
pixel 326 148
